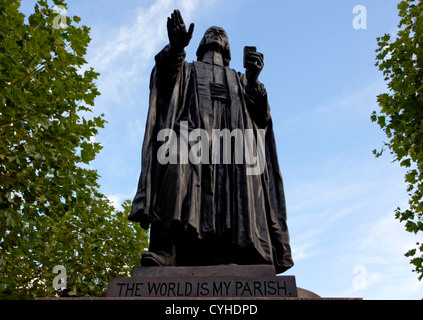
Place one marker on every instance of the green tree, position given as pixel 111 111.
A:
pixel 400 59
pixel 51 210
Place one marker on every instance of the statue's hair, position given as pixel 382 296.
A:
pixel 226 52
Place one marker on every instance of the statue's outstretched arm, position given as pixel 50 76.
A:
pixel 170 59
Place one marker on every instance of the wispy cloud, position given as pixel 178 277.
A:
pixel 136 43
pixel 124 57
pixel 387 272
pixel 343 109
pixel 118 199
pixel 362 101
pixel 346 219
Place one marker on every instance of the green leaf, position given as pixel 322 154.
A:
pixel 406 163
pixel 411 226
pixel 381 121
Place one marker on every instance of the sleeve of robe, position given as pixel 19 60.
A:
pixel 164 80
pixel 168 66
pixel 257 104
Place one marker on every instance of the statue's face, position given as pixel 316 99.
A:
pixel 216 36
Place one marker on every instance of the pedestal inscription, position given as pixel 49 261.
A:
pixel 283 286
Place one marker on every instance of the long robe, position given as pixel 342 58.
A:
pixel 212 198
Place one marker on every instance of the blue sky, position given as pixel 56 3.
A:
pixel 322 86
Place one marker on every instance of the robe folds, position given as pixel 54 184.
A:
pixel 212 197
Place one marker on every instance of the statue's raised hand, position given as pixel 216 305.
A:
pixel 179 38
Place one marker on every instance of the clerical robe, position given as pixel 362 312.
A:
pixel 212 198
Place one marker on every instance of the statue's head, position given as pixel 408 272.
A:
pixel 215 38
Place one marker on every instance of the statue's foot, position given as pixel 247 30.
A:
pixel 152 259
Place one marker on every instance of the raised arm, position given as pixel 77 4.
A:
pixel 170 59
pixel 255 93
pixel 179 38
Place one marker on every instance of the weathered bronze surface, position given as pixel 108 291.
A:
pixel 209 205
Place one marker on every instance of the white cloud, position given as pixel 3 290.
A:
pixel 137 43
pixel 336 111
pixel 387 271
pixel 388 236
pixel 117 199
pixel 124 56
pixel 346 219
pixel 362 101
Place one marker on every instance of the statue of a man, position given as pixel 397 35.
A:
pixel 212 211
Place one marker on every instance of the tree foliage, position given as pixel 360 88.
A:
pixel 401 112
pixel 51 210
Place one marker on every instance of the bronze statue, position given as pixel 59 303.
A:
pixel 206 201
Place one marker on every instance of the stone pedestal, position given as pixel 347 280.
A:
pixel 225 281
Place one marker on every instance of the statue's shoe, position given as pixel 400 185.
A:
pixel 157 259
